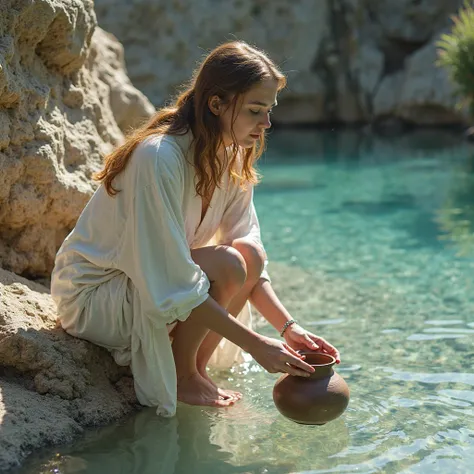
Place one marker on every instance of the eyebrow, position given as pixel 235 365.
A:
pixel 263 104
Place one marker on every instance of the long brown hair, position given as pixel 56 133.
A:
pixel 229 71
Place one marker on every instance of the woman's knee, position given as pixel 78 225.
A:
pixel 253 255
pixel 232 271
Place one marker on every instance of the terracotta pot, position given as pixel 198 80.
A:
pixel 313 400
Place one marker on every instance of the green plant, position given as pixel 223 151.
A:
pixel 456 54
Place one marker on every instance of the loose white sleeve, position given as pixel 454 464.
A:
pixel 156 255
pixel 240 220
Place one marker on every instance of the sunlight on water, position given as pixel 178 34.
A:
pixel 371 247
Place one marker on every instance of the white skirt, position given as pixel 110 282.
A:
pixel 103 315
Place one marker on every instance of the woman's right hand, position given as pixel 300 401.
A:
pixel 276 356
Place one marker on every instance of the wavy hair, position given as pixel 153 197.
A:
pixel 229 71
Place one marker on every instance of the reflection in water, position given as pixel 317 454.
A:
pixel 147 444
pixel 196 440
pixel 389 204
pixel 456 217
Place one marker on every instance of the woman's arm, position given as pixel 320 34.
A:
pixel 266 301
pixel 271 354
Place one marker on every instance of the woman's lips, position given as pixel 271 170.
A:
pixel 255 136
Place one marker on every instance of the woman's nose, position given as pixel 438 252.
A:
pixel 266 123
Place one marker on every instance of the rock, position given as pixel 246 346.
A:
pixel 367 68
pixel 51 384
pixel 427 96
pixel 302 102
pixel 410 21
pixel 388 94
pixel 163 41
pixel 421 94
pixel 64 102
pixel 129 106
pixel 341 57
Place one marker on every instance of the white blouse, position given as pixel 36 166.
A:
pixel 147 231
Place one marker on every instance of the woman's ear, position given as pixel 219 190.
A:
pixel 215 105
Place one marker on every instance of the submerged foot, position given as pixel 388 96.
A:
pixel 222 391
pixel 196 390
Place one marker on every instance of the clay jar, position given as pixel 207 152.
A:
pixel 313 400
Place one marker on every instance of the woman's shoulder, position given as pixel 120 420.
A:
pixel 161 153
pixel 160 147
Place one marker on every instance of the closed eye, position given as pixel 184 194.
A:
pixel 256 112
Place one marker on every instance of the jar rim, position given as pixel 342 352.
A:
pixel 327 359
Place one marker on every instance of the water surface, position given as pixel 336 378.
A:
pixel 371 247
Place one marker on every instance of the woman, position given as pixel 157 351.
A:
pixel 137 271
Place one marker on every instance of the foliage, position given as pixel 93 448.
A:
pixel 456 54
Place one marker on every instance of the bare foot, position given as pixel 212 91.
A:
pixel 225 392
pixel 195 390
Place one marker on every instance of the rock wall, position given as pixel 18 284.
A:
pixel 347 61
pixel 65 101
pixel 52 385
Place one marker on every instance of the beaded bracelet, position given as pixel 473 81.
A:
pixel 285 327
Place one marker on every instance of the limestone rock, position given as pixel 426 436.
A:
pixel 62 108
pixel 51 385
pixel 164 40
pixel 420 94
pixel 129 106
pixel 427 96
pixel 410 21
pixel 303 101
pixel 367 68
pixel 388 94
pixel 341 57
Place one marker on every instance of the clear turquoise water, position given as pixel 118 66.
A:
pixel 370 243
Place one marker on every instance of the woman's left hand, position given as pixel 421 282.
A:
pixel 300 339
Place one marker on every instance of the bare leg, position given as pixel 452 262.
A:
pixel 225 269
pixel 212 340
pixel 254 259
pixel 192 387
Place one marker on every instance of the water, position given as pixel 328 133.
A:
pixel 371 248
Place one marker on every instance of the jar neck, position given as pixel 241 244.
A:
pixel 321 372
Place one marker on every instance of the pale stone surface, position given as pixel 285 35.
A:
pixel 367 68
pixel 64 102
pixel 388 93
pixel 129 106
pixel 420 94
pixel 413 21
pixel 303 101
pixel 51 385
pixel 426 96
pixel 339 56
pixel 164 40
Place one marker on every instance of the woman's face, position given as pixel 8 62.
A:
pixel 252 114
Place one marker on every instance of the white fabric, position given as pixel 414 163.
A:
pixel 125 272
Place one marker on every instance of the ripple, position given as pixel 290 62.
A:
pixel 350 368
pixel 405 402
pixel 446 322
pixel 450 377
pixel 449 330
pixel 432 337
pixel 244 412
pixel 466 395
pixel 325 322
